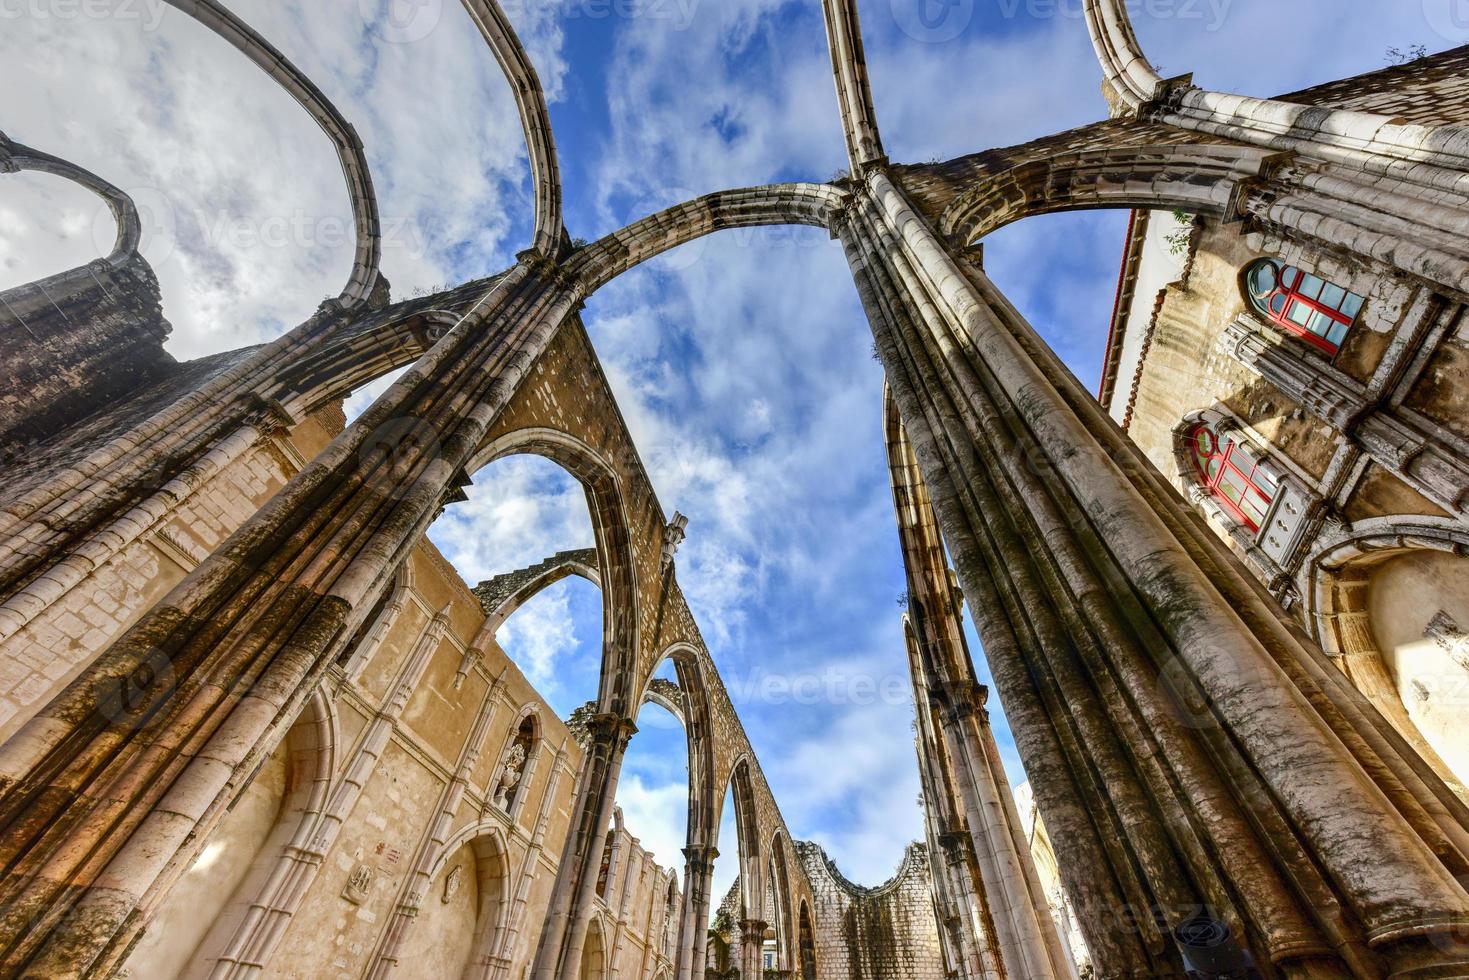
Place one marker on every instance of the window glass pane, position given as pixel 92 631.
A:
pixel 1332 295
pixel 1298 313
pixel 1337 334
pixel 1290 276
pixel 1277 305
pixel 1310 286
pixel 1213 469
pixel 1352 305
pixel 1263 279
pixel 1320 324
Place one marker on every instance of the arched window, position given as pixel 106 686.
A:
pixel 1304 305
pixel 1233 474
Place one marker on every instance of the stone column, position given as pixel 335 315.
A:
pixel 569 915
pixel 1024 936
pixel 693 929
pixel 108 793
pixel 1201 769
pixel 752 948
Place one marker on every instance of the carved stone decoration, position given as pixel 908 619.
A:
pixel 359 886
pixel 453 883
pixel 1449 636
pixel 673 536
pixel 510 775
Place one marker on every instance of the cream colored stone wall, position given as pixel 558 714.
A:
pixel 359 825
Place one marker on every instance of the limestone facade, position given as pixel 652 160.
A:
pixel 253 724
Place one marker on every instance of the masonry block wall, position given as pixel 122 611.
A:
pixel 884 933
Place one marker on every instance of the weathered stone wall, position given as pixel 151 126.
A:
pixel 885 933
pixel 1402 364
pixel 75 343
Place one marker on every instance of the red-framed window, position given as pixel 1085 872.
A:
pixel 1302 304
pixel 1233 474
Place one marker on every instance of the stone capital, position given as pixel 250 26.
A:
pixel 609 728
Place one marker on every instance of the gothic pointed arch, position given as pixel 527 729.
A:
pixel 616 561
pixel 747 830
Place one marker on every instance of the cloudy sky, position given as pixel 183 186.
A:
pixel 742 362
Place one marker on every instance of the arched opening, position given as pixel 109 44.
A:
pixel 211 912
pixel 594 953
pixel 807 943
pixel 779 952
pixel 1392 615
pixel 519 513
pixel 459 925
pixel 654 791
pixel 50 225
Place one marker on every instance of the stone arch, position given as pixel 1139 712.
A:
pixel 782 914
pixel 359 355
pixel 1200 178
pixel 14 157
pixel 776 204
pixel 696 713
pixel 615 550
pixel 501 600
pixel 245 883
pixel 747 829
pixel 350 152
pixel 806 942
pixel 535 119
pixel 1342 579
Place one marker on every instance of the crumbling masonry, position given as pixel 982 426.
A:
pixel 251 723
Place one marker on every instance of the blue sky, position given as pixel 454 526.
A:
pixel 742 361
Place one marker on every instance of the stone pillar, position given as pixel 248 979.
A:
pixel 693 929
pixel 1202 767
pixel 752 948
pixel 1023 935
pixel 107 794
pixel 569 915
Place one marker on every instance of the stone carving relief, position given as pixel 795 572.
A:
pixel 510 776
pixel 453 883
pixel 359 886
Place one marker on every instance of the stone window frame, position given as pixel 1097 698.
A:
pixel 529 713
pixel 1274 464
pixel 1281 323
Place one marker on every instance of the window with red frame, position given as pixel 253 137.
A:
pixel 1306 306
pixel 1233 475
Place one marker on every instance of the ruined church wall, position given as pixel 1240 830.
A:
pixel 885 933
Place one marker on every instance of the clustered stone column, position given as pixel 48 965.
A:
pixel 569 916
pixel 1218 794
pixel 1021 939
pixel 693 928
pixel 106 795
